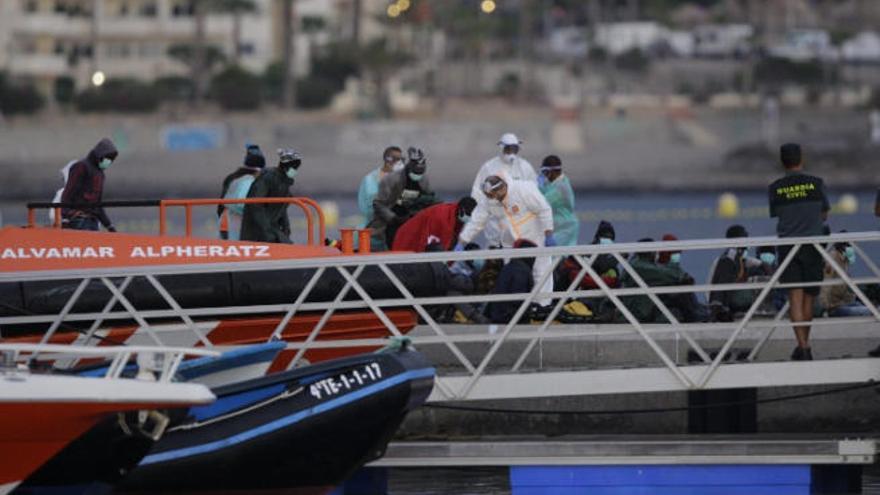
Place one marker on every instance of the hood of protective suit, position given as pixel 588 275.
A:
pixel 104 149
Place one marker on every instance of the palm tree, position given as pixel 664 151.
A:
pixel 237 8
pixel 288 79
pixel 200 82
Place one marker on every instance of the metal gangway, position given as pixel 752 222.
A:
pixel 476 362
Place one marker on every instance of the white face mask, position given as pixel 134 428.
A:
pixel 105 164
pixel 605 240
pixel 508 158
pixel 675 258
pixel 291 173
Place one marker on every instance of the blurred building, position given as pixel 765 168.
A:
pixel 42 40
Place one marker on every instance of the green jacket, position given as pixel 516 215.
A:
pixel 267 222
pixel 654 275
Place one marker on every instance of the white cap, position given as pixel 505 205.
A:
pixel 509 139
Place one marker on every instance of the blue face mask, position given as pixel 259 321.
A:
pixel 105 164
pixel 478 264
pixel 415 177
pixel 850 254
pixel 675 258
pixel 464 218
pixel 768 258
pixel 291 172
pixel 605 240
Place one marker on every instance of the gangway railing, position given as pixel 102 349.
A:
pixel 315 221
pixel 482 374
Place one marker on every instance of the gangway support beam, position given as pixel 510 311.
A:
pixel 641 380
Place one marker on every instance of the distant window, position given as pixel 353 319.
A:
pixel 31 6
pixel 246 48
pixel 149 9
pixel 60 48
pixel 183 9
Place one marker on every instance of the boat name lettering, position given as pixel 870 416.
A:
pixel 203 251
pixel 344 382
pixel 59 253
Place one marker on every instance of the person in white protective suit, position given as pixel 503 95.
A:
pixel 522 213
pixel 510 167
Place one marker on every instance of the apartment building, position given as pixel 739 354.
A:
pixel 41 40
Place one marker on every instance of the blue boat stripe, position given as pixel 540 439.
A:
pixel 288 420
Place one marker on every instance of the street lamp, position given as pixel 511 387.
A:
pixel 393 10
pixel 487 6
pixel 98 78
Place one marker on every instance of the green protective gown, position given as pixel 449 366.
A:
pixel 560 195
pixel 367 193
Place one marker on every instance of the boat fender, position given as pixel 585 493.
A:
pixel 146 423
pixel 396 344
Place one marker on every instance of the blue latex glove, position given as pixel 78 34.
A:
pixel 458 247
pixel 550 241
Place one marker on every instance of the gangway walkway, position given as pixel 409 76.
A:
pixel 497 365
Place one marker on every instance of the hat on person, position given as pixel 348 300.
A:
pixel 664 256
pixel 509 139
pixel 289 155
pixel 735 231
pixel 605 230
pixel 253 157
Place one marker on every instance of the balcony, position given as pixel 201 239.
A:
pixel 54 25
pixel 38 65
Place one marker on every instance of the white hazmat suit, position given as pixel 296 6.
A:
pixel 523 214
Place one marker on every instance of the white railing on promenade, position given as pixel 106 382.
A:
pixel 354 296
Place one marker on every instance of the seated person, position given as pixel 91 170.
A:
pixel 657 275
pixel 734 266
pixel 515 278
pixel 839 299
pixel 461 276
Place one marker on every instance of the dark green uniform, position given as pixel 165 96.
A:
pixel 267 222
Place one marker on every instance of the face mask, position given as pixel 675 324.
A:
pixel 105 163
pixel 605 240
pixel 768 258
pixel 675 258
pixel 850 254
pixel 478 264
pixel 464 218
pixel 509 158
pixel 398 165
pixel 291 173
pixel 745 253
pixel 415 177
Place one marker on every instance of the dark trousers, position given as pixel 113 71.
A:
pixel 82 223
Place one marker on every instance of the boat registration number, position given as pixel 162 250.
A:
pixel 344 382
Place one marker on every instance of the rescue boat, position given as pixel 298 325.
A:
pixel 28 250
pixel 41 413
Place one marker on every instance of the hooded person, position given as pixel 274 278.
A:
pixel 85 184
pixel 557 190
pixel 440 224
pixel 236 186
pixel 508 165
pixel 401 195
pixel 523 214
pixel 392 161
pixel 268 222
pixel 733 266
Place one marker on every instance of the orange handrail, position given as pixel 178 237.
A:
pixel 303 203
